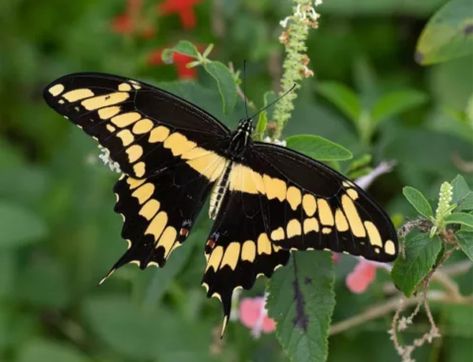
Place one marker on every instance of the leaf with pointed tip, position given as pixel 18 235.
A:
pixel 418 201
pixel 318 148
pixel 301 300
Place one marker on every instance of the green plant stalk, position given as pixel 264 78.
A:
pixel 295 62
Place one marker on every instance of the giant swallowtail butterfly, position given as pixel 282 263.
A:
pixel 265 200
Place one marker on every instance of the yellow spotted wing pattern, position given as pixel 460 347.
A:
pixel 266 200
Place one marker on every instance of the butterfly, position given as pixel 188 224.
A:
pixel 265 200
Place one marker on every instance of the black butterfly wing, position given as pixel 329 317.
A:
pixel 135 121
pixel 313 206
pixel 279 200
pixel 165 146
pixel 238 249
pixel 159 212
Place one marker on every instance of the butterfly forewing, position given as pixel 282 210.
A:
pixel 136 121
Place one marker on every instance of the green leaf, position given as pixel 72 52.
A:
pixel 448 34
pixel 225 83
pixel 421 254
pixel 395 103
pixel 318 148
pixel 465 240
pixel 183 47
pixel 302 300
pixel 418 201
pixel 462 195
pixel 19 226
pixel 51 351
pixel 344 98
pixel 461 218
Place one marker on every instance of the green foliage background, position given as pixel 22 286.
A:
pixel 59 235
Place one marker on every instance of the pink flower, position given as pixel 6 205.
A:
pixel 361 277
pixel 254 315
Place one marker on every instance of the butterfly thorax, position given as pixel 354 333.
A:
pixel 240 139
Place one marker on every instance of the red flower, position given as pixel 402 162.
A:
pixel 180 60
pixel 361 277
pixel 253 315
pixel 131 21
pixel 185 9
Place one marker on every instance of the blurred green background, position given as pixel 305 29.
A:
pixel 59 235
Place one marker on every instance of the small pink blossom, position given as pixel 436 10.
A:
pixel 254 315
pixel 361 277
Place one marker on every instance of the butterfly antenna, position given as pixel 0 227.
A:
pixel 244 88
pixel 275 101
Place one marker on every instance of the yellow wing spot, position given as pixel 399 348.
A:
pixel 309 204
pixel 156 226
pixel 110 128
pixel 126 137
pixel 104 101
pixel 325 213
pixel 348 184
pixel 149 209
pixel 108 112
pixel 124 87
pixel 158 134
pixel 274 188
pixel 244 179
pixel 311 224
pixel 134 183
pixel 231 256
pixel 167 240
pixel 125 119
pixel 196 152
pixel 352 193
pixel 278 234
pixel 143 193
pixel 294 197
pixel 178 144
pixel 248 251
pixel 373 234
pixel 139 169
pixel 389 247
pixel 354 220
pixel 263 243
pixel 135 84
pixel 340 221
pixel 134 153
pixel 78 94
pixel 142 126
pixel 326 230
pixel 293 228
pixel 211 165
pixel 215 258
pixel 56 90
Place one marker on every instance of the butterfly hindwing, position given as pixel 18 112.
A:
pixel 136 121
pixel 238 249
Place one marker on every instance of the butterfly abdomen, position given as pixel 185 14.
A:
pixel 218 192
